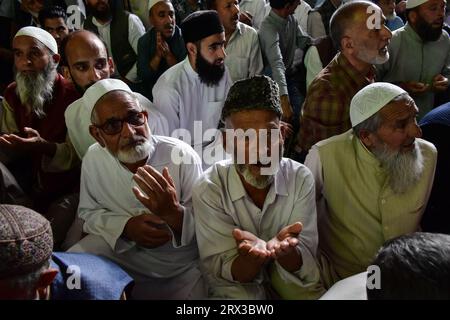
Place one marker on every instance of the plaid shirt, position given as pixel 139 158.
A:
pixel 326 109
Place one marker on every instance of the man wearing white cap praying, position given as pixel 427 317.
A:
pixel 135 197
pixel 420 54
pixel 161 47
pixel 372 182
pixel 32 124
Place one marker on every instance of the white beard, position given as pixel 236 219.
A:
pixel 34 90
pixel 404 168
pixel 259 182
pixel 136 153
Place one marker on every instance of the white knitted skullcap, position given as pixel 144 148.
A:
pixel 99 89
pixel 151 3
pixel 370 99
pixel 41 35
pixel 414 3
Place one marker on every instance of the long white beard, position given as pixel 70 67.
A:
pixel 259 182
pixel 34 90
pixel 136 153
pixel 403 168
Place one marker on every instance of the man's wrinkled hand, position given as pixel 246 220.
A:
pixel 147 230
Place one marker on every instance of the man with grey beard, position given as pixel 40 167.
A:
pixel 255 216
pixel 372 182
pixel 32 127
pixel 135 200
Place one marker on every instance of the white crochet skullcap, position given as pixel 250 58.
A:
pixel 100 88
pixel 370 99
pixel 414 3
pixel 41 35
pixel 151 3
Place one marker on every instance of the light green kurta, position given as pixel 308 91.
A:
pixel 358 211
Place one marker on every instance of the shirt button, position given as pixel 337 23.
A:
pixel 383 201
pixel 386 228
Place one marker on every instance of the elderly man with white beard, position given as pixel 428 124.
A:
pixel 256 220
pixel 135 197
pixel 32 126
pixel 372 182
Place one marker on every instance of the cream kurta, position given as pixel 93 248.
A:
pixel 357 209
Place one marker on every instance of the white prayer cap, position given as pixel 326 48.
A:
pixel 151 3
pixel 370 99
pixel 100 88
pixel 414 3
pixel 41 35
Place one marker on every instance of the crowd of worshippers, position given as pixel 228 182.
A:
pixel 224 149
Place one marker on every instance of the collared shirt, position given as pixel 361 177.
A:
pixel 222 204
pixel 244 59
pixel 183 99
pixel 357 209
pixel 135 30
pixel 259 9
pixel 325 112
pixel 146 52
pixel 107 202
pixel 279 37
pixel 78 120
pixel 411 59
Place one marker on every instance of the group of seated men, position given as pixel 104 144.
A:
pixel 189 196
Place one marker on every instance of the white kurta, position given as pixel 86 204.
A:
pixel 107 203
pixel 222 204
pixel 183 99
pixel 244 58
pixel 78 120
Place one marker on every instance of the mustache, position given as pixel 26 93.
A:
pixel 131 142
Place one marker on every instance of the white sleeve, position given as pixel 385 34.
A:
pixel 256 62
pixel 313 64
pixel 314 164
pixel 136 30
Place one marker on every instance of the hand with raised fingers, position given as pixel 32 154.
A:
pixel 157 193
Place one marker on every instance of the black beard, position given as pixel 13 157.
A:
pixel 426 31
pixel 105 15
pixel 210 74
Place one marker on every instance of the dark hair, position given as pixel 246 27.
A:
pixel 344 18
pixel 414 266
pixel 280 4
pixel 51 12
pixel 211 4
pixel 69 37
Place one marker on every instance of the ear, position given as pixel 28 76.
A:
pixel 191 48
pixel 45 279
pixel 56 58
pixel 346 43
pixel 94 131
pixel 66 73
pixel 111 65
pixel 366 137
pixel 412 16
pixel 283 131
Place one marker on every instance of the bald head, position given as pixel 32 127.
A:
pixel 352 15
pixel 86 58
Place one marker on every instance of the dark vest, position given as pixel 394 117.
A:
pixel 326 10
pixel 122 52
pixel 326 50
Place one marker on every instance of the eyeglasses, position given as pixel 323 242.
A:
pixel 114 126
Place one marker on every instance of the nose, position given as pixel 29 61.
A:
pixel 221 53
pixel 235 9
pixel 127 130
pixel 387 34
pixel 415 131
pixel 95 75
